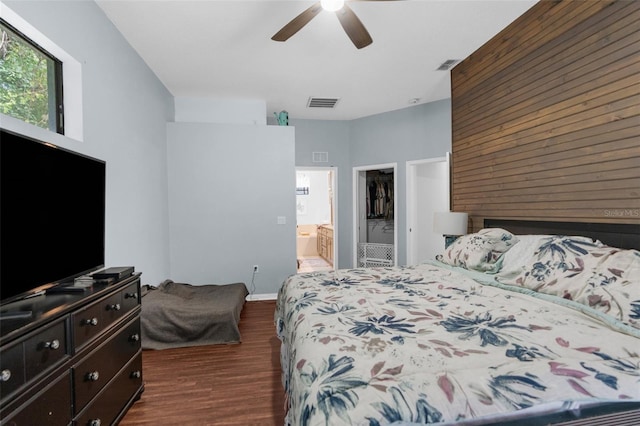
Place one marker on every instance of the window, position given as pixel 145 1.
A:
pixel 30 81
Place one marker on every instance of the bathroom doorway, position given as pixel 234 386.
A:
pixel 316 233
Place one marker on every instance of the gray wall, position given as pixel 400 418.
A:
pixel 125 110
pixel 414 133
pixel 228 185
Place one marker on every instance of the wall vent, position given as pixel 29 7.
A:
pixel 314 102
pixel 448 64
pixel 320 157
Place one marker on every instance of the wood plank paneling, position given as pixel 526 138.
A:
pixel 546 117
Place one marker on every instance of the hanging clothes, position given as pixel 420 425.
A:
pixel 380 198
pixel 380 195
pixel 388 212
pixel 371 205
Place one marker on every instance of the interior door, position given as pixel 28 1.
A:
pixel 427 192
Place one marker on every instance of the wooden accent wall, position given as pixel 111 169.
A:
pixel 546 117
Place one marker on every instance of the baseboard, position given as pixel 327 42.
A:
pixel 267 296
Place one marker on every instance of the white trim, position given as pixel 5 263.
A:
pixel 265 296
pixel 71 72
pixel 354 192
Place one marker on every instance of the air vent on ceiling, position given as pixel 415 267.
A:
pixel 320 157
pixel 448 64
pixel 322 102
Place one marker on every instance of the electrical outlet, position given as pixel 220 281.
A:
pixel 256 269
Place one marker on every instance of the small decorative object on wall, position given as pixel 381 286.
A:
pixel 451 225
pixel 282 118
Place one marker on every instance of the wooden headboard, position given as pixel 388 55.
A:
pixel 612 234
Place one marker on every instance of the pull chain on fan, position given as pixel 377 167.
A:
pixel 350 22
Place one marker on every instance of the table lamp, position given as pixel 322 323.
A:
pixel 451 225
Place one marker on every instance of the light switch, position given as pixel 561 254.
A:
pixel 282 220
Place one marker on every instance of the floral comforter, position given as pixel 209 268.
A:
pixel 428 344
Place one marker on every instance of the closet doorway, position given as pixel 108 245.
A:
pixel 375 228
pixel 316 219
pixel 427 192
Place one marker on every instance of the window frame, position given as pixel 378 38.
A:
pixel 54 74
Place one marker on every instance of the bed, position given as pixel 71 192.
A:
pixel 505 328
pixel 178 315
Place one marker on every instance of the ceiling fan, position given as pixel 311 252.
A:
pixel 348 19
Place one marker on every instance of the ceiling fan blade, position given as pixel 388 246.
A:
pixel 354 27
pixel 297 23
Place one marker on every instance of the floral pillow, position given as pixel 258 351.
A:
pixel 512 263
pixel 557 256
pixel 479 251
pixel 579 269
pixel 613 286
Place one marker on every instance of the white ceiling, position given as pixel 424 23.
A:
pixel 223 50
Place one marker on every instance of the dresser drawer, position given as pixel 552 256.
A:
pixel 52 406
pixel 130 297
pixel 46 349
pixel 11 370
pixel 109 403
pixel 89 322
pixel 94 371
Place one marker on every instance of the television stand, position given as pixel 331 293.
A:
pixel 72 358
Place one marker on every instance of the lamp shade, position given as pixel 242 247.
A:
pixel 450 223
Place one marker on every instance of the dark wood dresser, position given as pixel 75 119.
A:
pixel 76 360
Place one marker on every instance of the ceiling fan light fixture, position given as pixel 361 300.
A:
pixel 332 5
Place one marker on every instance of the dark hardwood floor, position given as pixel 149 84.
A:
pixel 218 384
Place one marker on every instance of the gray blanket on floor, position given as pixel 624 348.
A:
pixel 176 315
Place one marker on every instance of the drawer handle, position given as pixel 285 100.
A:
pixel 134 337
pixel 93 321
pixel 136 374
pixel 95 422
pixel 114 307
pixel 5 375
pixel 53 345
pixel 93 376
pixel 131 295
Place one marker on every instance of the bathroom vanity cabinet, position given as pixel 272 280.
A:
pixel 325 242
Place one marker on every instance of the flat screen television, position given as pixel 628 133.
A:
pixel 52 216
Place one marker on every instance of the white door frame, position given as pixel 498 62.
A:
pixel 356 172
pixel 334 213
pixel 411 201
